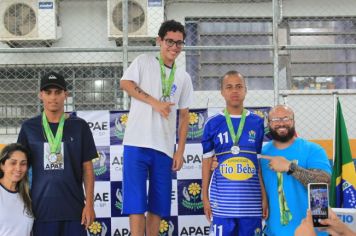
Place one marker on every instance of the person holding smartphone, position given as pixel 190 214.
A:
pixel 288 165
pixel 333 225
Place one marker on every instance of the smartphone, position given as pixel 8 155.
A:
pixel 318 197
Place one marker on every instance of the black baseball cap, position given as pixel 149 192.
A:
pixel 53 79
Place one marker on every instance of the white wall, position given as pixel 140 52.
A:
pixel 9 138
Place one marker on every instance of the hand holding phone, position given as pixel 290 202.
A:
pixel 318 198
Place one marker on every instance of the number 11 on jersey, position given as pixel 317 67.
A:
pixel 223 137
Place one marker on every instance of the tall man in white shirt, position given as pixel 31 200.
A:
pixel 158 88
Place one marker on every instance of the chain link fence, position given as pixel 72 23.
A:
pixel 297 52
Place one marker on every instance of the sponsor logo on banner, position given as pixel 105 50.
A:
pixel 263 113
pixel 189 198
pixel 120 226
pixel 98 122
pixel 192 161
pixel 197 119
pixel 116 161
pixel 100 227
pixel 118 123
pixel 102 201
pixel 116 198
pixel 168 226
pixel 193 225
pixel 237 168
pixel 101 163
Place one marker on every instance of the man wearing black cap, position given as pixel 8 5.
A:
pixel 62 148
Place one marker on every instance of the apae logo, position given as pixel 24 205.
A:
pixel 118 202
pixel 98 126
pixel 99 163
pixel 196 124
pixel 120 125
pixel 166 228
pixel 192 197
pixel 191 230
pixel 117 162
pixel 122 232
pixel 191 158
pixel 97 229
pixel 101 199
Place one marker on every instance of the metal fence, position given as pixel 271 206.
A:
pixel 290 51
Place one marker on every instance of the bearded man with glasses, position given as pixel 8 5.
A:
pixel 288 165
pixel 158 88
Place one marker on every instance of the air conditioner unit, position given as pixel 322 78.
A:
pixel 29 20
pixel 144 18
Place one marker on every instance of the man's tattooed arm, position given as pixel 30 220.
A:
pixel 306 176
pixel 140 91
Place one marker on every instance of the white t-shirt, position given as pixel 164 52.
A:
pixel 145 126
pixel 13 219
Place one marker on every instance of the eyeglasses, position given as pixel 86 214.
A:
pixel 281 119
pixel 171 42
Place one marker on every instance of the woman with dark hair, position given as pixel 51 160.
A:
pixel 16 218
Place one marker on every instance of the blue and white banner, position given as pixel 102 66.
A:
pixel 187 217
pixel 108 128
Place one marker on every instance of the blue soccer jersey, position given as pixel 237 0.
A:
pixel 234 186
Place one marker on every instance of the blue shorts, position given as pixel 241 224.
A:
pixel 140 164
pixel 249 226
pixel 59 228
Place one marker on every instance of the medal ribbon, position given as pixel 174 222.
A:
pixel 286 215
pixel 235 137
pixel 166 82
pixel 54 142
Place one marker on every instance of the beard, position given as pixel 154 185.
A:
pixel 282 138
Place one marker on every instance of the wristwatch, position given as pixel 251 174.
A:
pixel 292 168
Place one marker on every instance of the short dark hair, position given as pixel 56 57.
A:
pixel 171 25
pixel 231 72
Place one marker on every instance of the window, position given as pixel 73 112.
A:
pixel 207 67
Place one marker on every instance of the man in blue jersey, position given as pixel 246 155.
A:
pixel 62 148
pixel 288 165
pixel 233 200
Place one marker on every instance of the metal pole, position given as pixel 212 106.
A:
pixel 125 10
pixel 275 11
pixel 335 96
